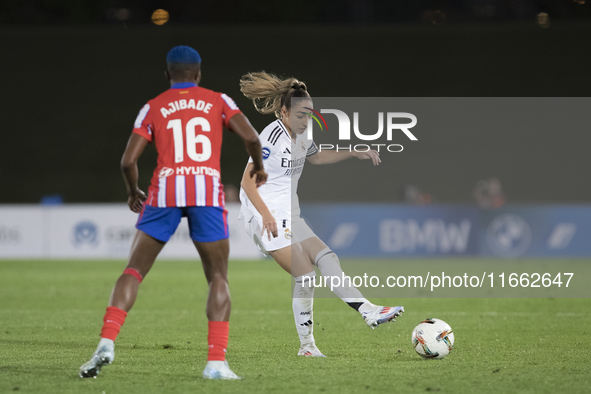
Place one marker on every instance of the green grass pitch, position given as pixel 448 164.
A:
pixel 51 313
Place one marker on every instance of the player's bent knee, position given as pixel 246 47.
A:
pixel 326 252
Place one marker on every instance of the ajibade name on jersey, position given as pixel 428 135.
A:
pixel 183 104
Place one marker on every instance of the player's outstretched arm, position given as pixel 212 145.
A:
pixel 250 188
pixel 332 156
pixel 241 126
pixel 135 147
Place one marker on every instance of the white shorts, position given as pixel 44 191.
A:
pixel 288 233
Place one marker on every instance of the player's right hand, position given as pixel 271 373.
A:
pixel 270 225
pixel 260 176
pixel 136 200
pixel 371 154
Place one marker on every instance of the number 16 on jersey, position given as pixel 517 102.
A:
pixel 192 139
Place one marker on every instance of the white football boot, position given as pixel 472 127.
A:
pixel 104 355
pixel 219 370
pixel 310 351
pixel 381 315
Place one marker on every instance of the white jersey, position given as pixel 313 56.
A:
pixel 283 159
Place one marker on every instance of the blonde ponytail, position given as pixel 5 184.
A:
pixel 270 93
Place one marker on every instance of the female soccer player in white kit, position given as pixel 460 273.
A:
pixel 274 208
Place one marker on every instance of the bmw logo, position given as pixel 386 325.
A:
pixel 508 235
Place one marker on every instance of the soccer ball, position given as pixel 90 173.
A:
pixel 433 338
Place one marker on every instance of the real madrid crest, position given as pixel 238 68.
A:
pixel 287 233
pixel 303 147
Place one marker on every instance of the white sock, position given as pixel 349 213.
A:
pixel 303 302
pixel 329 265
pixel 105 341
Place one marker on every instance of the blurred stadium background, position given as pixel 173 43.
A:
pixel 76 74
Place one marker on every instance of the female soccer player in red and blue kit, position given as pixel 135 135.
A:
pixel 185 123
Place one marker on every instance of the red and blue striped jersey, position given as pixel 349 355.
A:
pixel 186 124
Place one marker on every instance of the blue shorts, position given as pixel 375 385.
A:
pixel 206 224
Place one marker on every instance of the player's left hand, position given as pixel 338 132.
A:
pixel 270 226
pixel 372 154
pixel 259 175
pixel 136 200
